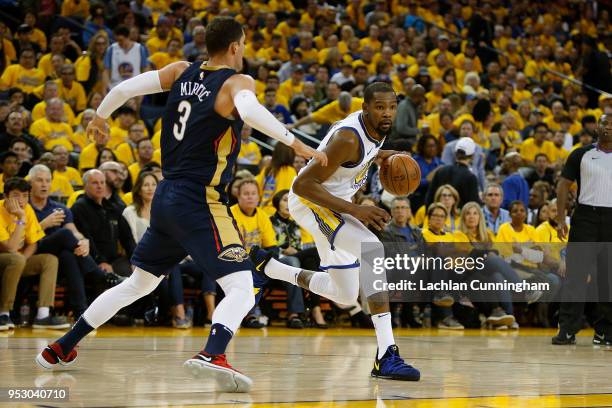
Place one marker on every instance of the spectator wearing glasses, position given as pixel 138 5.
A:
pixel 70 90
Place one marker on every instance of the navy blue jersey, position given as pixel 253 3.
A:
pixel 198 144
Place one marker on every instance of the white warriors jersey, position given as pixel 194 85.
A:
pixel 350 177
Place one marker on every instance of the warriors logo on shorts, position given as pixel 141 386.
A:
pixel 234 254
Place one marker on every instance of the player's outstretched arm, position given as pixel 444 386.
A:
pixel 342 148
pixel 144 84
pixel 256 115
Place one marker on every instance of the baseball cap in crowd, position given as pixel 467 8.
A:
pixel 537 90
pixel 467 145
pixel 443 37
pixel 511 154
pixel 298 68
pixel 402 67
pixel 605 97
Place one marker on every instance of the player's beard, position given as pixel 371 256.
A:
pixel 384 133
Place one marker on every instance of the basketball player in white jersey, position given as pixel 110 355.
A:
pixel 320 201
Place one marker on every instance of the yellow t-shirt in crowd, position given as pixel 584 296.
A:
pixel 33 230
pixel 376 45
pixel 134 170
pixel 74 95
pixel 249 151
pixel 117 136
pixel 40 108
pixel 256 229
pixel 73 197
pixel 399 59
pixel 309 56
pixel 45 64
pixel 71 174
pixel 529 150
pixel 88 157
pixel 25 79
pixel 160 59
pixel 52 133
pixel 429 236
pixel 156 44
pixel 126 153
pixel 332 113
pixel 546 233
pixel 288 90
pixel 270 185
pixel 128 198
pixel 72 8
pixel 155 140
pixel 507 234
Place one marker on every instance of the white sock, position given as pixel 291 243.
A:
pixel 43 312
pixel 384 332
pixel 4 313
pixel 277 270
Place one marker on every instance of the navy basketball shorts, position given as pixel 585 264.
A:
pixel 185 222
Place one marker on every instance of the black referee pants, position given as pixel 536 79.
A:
pixel 589 225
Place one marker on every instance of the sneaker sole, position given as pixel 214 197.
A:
pixel 501 321
pixel 396 378
pixel 451 328
pixel 48 366
pixel 563 343
pixel 227 380
pixel 54 327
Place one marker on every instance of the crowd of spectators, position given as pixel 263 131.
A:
pixel 494 95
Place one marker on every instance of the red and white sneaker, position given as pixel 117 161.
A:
pixel 227 377
pixel 53 355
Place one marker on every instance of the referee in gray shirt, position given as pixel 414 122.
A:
pixel 591 167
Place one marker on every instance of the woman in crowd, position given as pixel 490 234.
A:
pixel 448 196
pixel 277 176
pixel 290 238
pixel 105 155
pixel 473 231
pixel 434 235
pixel 90 66
pixel 138 216
pixel 529 264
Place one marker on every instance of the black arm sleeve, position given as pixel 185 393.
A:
pixel 571 170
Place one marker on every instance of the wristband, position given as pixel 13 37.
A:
pixel 19 222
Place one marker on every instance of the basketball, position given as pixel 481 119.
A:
pixel 400 174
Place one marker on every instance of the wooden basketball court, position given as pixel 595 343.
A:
pixel 142 367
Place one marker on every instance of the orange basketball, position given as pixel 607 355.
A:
pixel 400 174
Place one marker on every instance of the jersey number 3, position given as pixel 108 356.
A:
pixel 184 110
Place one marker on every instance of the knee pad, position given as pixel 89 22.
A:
pixel 142 282
pixel 345 284
pixel 239 285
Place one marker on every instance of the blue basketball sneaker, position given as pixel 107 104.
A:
pixel 392 367
pixel 260 259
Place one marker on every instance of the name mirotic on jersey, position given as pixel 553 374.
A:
pixel 193 88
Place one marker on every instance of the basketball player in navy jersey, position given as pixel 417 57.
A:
pixel 200 141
